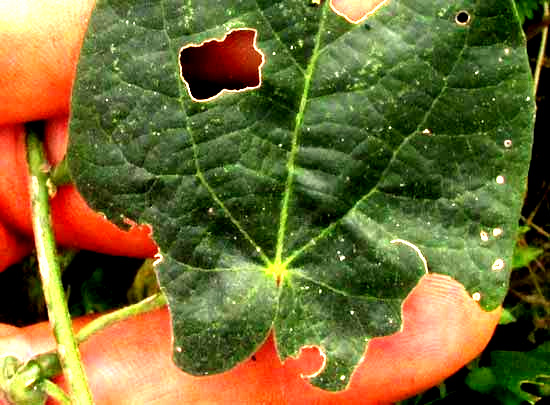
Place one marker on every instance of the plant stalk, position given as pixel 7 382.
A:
pixel 153 302
pixel 542 49
pixel 54 391
pixel 54 295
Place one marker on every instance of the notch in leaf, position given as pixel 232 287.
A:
pixel 232 64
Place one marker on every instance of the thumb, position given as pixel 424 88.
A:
pixel 130 362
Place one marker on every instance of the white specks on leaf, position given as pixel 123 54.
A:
pixel 476 296
pixel 498 265
pixel 500 179
pixel 508 143
pixel 497 232
pixel 484 236
pixel 427 131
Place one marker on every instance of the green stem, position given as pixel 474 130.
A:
pixel 154 302
pixel 542 48
pixel 54 295
pixel 53 390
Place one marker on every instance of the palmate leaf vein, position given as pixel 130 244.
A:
pixel 199 173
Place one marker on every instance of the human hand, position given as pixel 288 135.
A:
pixel 39 47
pixel 131 362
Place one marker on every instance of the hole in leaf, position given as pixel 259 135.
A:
pixel 232 64
pixel 462 17
pixel 356 11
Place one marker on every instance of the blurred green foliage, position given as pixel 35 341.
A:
pixel 528 8
pixel 511 374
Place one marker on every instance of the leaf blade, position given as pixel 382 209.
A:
pixel 347 146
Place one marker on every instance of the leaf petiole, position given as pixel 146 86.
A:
pixel 50 274
pixel 153 302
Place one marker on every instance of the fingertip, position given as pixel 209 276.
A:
pixel 56 138
pixel 443 330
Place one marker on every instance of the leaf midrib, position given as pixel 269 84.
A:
pixel 294 148
pixel 283 219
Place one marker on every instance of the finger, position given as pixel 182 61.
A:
pixel 14 197
pixel 56 134
pixel 130 362
pixel 39 47
pixel 13 247
pixel 75 224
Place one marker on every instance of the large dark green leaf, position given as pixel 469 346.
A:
pixel 277 207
